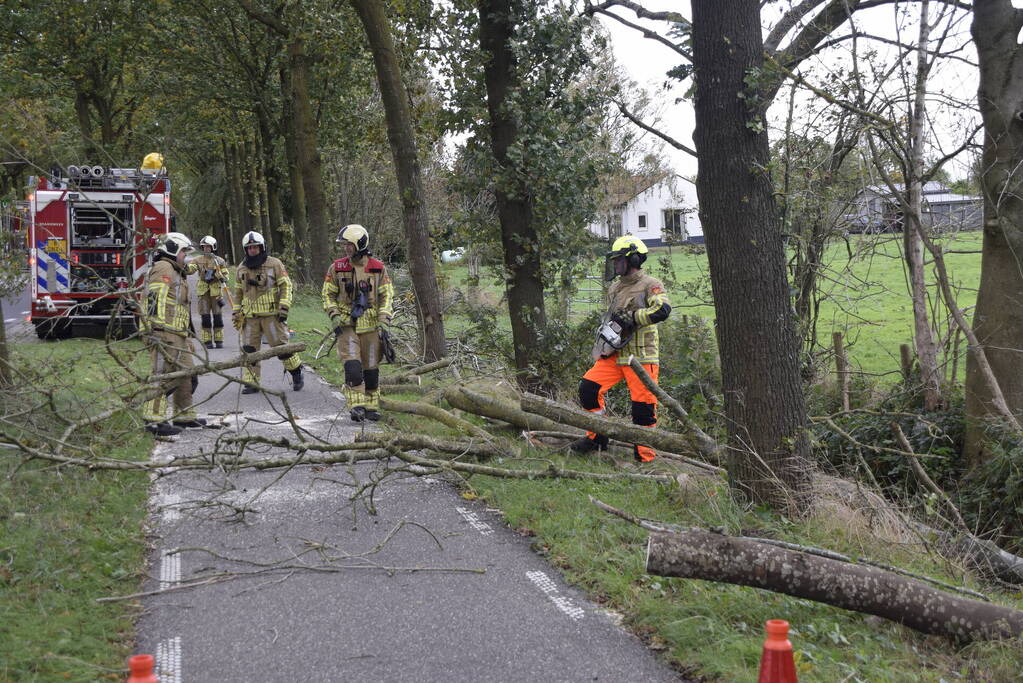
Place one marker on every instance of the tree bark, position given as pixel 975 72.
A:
pixel 308 156
pixel 271 176
pixel 998 317
pixel 298 215
pixel 250 183
pixel 519 240
pixel 232 161
pixel 756 335
pixel 698 554
pixel 923 335
pixel 261 193
pixel 402 138
pixel 5 354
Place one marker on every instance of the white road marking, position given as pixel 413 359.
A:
pixel 170 569
pixel 475 522
pixel 544 583
pixel 10 320
pixel 168 660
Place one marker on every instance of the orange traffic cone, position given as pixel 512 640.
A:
pixel 141 668
pixel 777 664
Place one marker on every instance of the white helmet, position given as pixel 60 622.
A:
pixel 253 237
pixel 208 241
pixel 174 243
pixel 357 235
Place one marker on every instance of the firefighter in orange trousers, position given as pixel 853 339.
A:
pixel 358 297
pixel 261 303
pixel 210 292
pixel 166 322
pixel 636 303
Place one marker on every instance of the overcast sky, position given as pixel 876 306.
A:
pixel 647 61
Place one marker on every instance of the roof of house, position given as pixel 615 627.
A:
pixel 930 187
pixel 624 189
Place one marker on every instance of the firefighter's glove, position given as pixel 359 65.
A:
pixel 238 320
pixel 623 319
pixel 282 314
pixel 220 301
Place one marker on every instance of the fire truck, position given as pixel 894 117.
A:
pixel 91 233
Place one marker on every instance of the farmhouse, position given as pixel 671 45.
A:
pixel 876 209
pixel 658 209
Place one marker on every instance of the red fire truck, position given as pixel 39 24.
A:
pixel 90 234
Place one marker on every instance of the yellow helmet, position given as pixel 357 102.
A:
pixel 153 161
pixel 627 245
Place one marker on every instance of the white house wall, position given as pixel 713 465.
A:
pixel 653 202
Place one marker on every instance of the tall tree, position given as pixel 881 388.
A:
pixel 994 373
pixel 755 329
pixel 519 239
pixel 402 139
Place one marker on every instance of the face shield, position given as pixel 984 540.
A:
pixel 616 265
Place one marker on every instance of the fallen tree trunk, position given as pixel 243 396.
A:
pixel 615 429
pixel 435 413
pixel 497 408
pixel 698 554
pixel 708 447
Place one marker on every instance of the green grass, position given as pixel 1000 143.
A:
pixel 864 293
pixel 69 536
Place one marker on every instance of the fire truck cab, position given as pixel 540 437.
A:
pixel 91 232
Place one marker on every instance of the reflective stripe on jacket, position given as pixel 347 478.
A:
pixel 167 306
pixel 212 274
pixel 262 291
pixel 345 279
pixel 644 296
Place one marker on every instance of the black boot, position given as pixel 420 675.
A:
pixel 372 414
pixel 297 381
pixel 588 445
pixel 358 414
pixel 249 390
pixel 209 345
pixel 219 344
pixel 162 429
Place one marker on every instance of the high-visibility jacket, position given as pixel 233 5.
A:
pixel 346 280
pixel 264 290
pixel 212 274
pixel 166 307
pixel 644 297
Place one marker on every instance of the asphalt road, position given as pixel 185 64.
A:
pixel 322 590
pixel 15 308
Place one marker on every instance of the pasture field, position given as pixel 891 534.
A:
pixel 864 293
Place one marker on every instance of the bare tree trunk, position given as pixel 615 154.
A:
pixel 261 192
pixel 519 240
pixel 308 156
pixel 998 317
pixel 249 184
pixel 923 335
pixel 271 175
pixel 5 353
pixel 402 138
pixel 697 554
pixel 232 164
pixel 298 215
pixel 842 368
pixel 755 327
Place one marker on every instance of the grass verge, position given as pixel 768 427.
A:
pixel 69 536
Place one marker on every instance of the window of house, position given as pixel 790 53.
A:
pixel 674 224
pixel 642 221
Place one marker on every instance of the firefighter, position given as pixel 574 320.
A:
pixel 636 303
pixel 211 288
pixel 261 302
pixel 357 295
pixel 166 322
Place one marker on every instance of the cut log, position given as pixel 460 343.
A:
pixel 708 447
pixel 615 429
pixel 698 554
pixel 497 408
pixel 435 413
